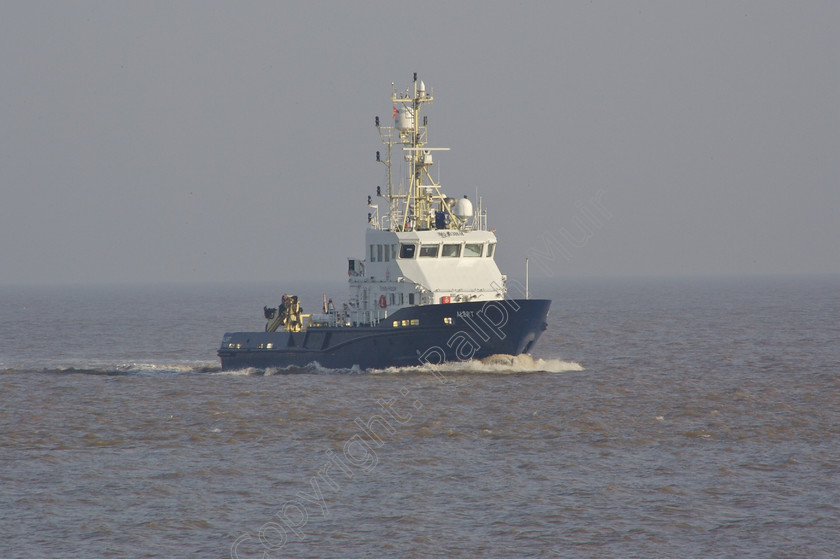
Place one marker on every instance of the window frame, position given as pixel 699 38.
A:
pixel 404 249
pixel 474 255
pixel 427 246
pixel 457 252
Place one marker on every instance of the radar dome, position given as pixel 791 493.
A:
pixel 463 208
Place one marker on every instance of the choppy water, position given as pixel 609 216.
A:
pixel 656 418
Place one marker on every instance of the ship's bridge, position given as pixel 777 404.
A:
pixel 424 267
pixel 441 261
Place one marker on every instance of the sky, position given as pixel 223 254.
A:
pixel 158 142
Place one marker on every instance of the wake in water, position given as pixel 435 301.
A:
pixel 313 368
pixel 495 364
pixel 118 369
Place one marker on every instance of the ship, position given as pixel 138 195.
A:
pixel 427 290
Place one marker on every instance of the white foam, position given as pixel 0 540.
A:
pixel 318 368
pixel 524 363
pixel 246 372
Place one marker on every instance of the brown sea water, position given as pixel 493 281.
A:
pixel 690 418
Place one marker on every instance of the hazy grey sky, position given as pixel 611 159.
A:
pixel 209 141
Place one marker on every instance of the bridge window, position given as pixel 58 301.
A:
pixel 373 253
pixel 490 249
pixel 451 251
pixel 407 250
pixel 472 250
pixel 429 251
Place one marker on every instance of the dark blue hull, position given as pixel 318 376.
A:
pixel 409 337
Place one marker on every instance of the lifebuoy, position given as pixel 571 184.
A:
pixel 383 302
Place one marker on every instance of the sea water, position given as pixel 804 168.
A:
pixel 661 418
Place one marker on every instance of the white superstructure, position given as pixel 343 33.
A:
pixel 427 248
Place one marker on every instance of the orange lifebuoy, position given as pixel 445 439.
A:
pixel 383 302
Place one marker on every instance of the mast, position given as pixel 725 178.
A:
pixel 420 205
